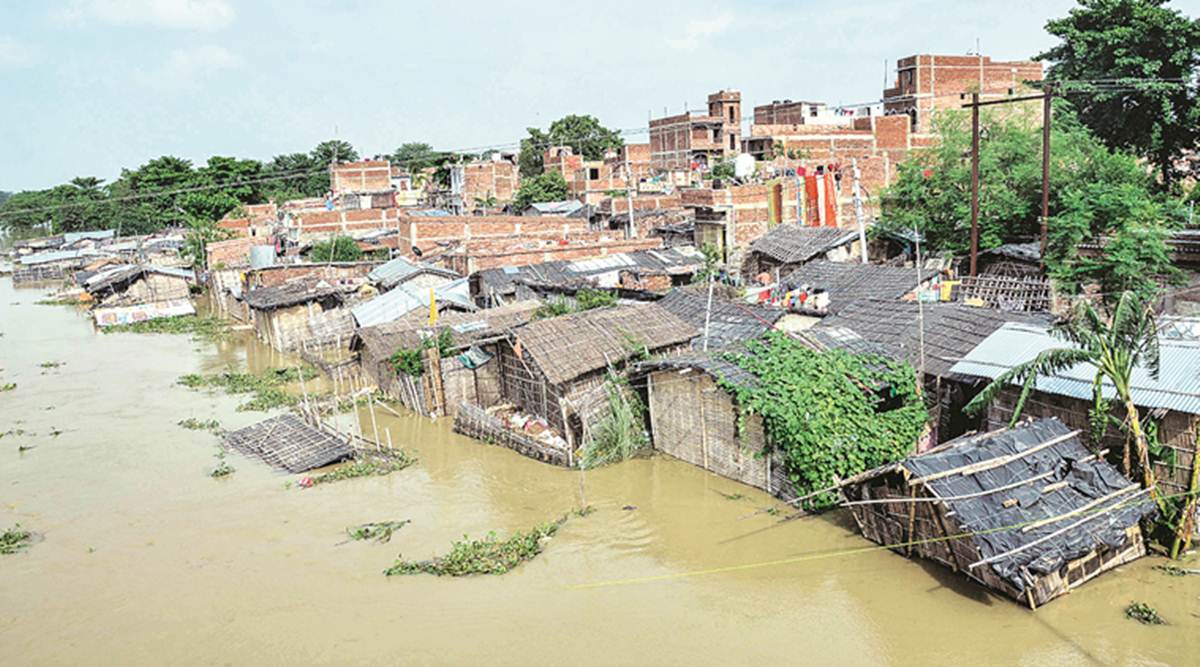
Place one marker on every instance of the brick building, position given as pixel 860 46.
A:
pixel 926 84
pixel 730 219
pixel 698 138
pixel 362 176
pixel 787 112
pixel 483 254
pixel 433 233
pixel 563 160
pixel 497 179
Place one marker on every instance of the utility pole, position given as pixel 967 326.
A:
pixel 1045 171
pixel 1045 97
pixel 858 209
pixel 628 193
pixel 974 181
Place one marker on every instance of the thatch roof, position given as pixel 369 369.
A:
pixel 730 322
pixel 790 244
pixel 573 345
pixel 465 328
pixel 710 363
pixel 1033 496
pixel 852 281
pixel 288 442
pixel 893 328
pixel 290 294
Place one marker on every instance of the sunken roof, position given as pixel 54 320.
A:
pixel 290 443
pixel 290 294
pixel 569 346
pixel 729 322
pixel 1024 252
pixel 1068 501
pixel 853 281
pixel 796 243
pixel 113 276
pixel 893 328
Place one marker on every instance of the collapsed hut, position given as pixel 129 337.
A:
pixel 1028 512
pixel 694 418
pixel 127 293
pixel 50 265
pixel 290 443
pixel 467 375
pixel 554 371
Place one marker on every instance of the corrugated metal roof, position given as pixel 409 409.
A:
pixel 1176 388
pixel 57 256
pixel 558 207
pixel 400 269
pixel 398 302
pixel 97 235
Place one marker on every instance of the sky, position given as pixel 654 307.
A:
pixel 88 87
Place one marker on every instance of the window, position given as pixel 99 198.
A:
pixel 716 134
pixel 732 114
pixel 593 174
pixel 732 142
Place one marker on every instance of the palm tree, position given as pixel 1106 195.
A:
pixel 1113 348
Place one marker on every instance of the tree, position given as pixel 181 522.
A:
pixel 1096 195
pixel 584 134
pixel 4 196
pixel 1131 40
pixel 416 156
pixel 334 151
pixel 336 249
pixel 550 186
pixel 295 176
pixel 1114 348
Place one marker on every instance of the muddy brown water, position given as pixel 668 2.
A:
pixel 147 560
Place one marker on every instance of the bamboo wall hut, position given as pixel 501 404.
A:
pixel 555 368
pixel 694 419
pixel 1028 512
pixel 1171 401
pixel 282 314
pixel 468 376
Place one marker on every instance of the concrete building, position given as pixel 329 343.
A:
pixel 698 139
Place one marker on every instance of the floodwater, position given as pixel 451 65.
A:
pixel 145 559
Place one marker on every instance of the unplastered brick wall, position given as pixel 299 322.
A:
pixel 498 179
pixel 477 257
pixel 323 223
pixel 364 176
pixel 638 156
pixel 426 233
pixel 333 273
pixel 926 84
pixel 562 160
pixel 231 253
pixel 595 181
pixel 641 202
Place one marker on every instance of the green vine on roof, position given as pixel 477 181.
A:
pixel 411 360
pixel 833 414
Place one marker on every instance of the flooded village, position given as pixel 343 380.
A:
pixel 911 381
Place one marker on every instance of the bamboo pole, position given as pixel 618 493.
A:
pixel 374 423
pixel 988 464
pixel 1078 510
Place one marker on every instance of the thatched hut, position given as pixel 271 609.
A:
pixel 467 376
pixel 1028 512
pixel 555 368
pixel 694 419
pixel 786 247
pixel 282 313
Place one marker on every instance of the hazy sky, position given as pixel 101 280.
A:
pixel 91 86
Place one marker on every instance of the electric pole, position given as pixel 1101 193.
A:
pixel 858 209
pixel 974 180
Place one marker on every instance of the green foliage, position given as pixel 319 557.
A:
pixel 1097 196
pixel 584 134
pixel 373 464
pixel 8 386
pixel 200 233
pixel 222 469
pixel 1129 40
pixel 550 186
pixel 266 387
pixel 414 157
pixel 411 361
pixel 14 540
pixel 193 424
pixel 833 414
pixel 712 264
pixel 553 308
pixel 620 434
pixel 336 249
pixel 723 170
pixel 379 531
pixel 487 556
pixel 1143 613
pixel 203 328
pixel 587 299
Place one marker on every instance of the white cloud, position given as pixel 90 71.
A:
pixel 699 30
pixel 186 14
pixel 13 53
pixel 196 61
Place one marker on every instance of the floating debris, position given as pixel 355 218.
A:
pixel 1176 571
pixel 14 539
pixel 223 468
pixel 193 424
pixel 204 328
pixel 8 386
pixel 379 531
pixel 1144 613
pixel 487 556
pixel 731 496
pixel 52 364
pixel 366 464
pixel 266 386
pixel 290 443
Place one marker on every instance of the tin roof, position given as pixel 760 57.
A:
pixel 400 301
pixel 1176 388
pixel 396 271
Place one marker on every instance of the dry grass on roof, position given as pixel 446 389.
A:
pixel 573 345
